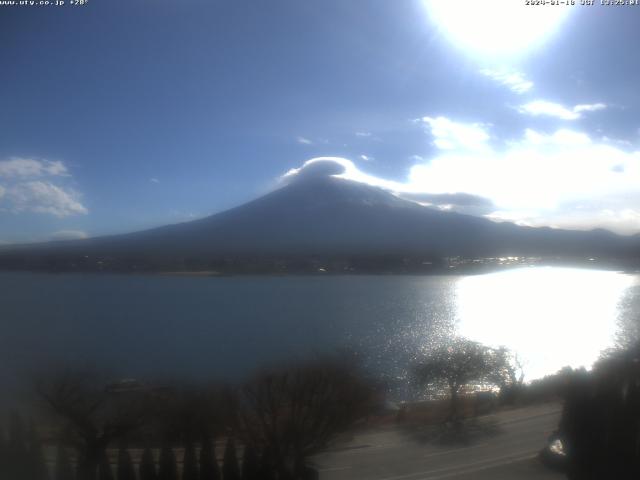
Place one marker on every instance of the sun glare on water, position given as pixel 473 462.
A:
pixel 551 317
pixel 497 27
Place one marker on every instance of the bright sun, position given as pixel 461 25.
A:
pixel 496 27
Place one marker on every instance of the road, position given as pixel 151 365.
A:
pixel 502 446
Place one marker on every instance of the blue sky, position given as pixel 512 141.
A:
pixel 121 115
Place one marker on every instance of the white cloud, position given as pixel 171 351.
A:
pixel 304 141
pixel 39 196
pixel 323 166
pixel 68 235
pixel 338 167
pixel 363 134
pixel 38 186
pixel 515 81
pixel 565 179
pixel 366 158
pixel 29 167
pixel 589 107
pixel 551 109
pixel 450 135
pixel 154 180
pixel 562 137
pixel 536 171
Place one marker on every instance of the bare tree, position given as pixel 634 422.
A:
pixel 293 413
pixel 506 371
pixel 461 362
pixel 93 415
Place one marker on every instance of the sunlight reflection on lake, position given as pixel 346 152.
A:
pixel 226 327
pixel 551 317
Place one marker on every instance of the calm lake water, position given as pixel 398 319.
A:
pixel 226 327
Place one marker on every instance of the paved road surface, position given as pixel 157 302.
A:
pixel 503 446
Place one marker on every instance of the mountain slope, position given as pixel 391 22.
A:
pixel 330 216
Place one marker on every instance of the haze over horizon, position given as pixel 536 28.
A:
pixel 126 115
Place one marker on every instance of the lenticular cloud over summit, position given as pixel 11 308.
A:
pixel 320 167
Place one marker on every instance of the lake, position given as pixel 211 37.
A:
pixel 208 327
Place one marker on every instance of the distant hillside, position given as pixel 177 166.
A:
pixel 316 218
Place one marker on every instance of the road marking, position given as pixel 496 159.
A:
pixel 469 467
